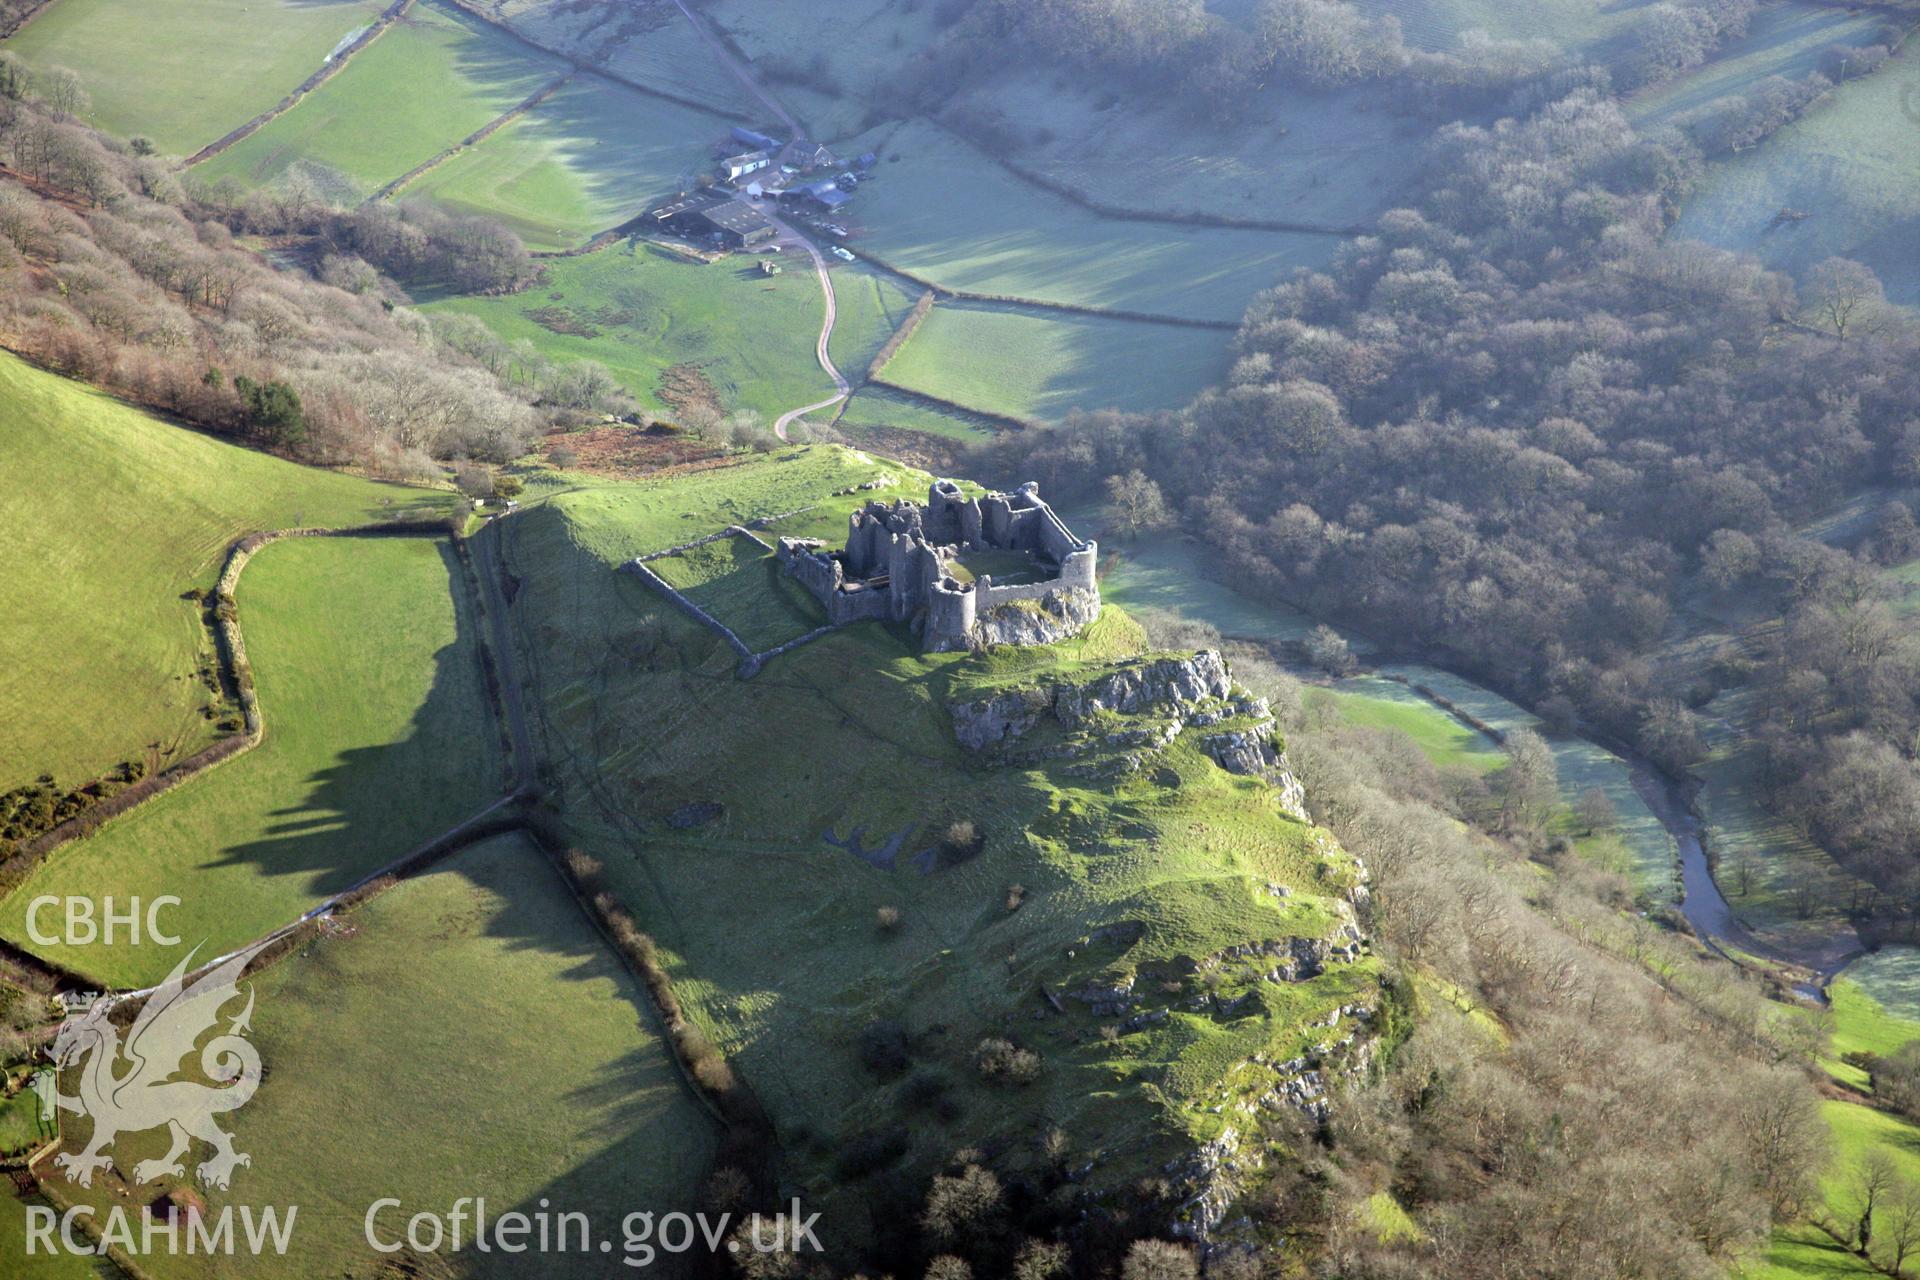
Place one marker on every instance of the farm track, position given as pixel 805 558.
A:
pixel 741 72
pixel 478 136
pixel 820 351
pixel 744 74
pixel 328 69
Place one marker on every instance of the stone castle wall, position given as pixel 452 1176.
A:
pixel 895 563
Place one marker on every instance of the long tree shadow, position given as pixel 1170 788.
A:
pixel 374 744
pixel 653 1140
pixel 379 736
pixel 375 803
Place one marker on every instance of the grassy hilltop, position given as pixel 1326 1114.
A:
pixel 761 828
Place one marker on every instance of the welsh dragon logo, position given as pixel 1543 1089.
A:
pixel 131 1087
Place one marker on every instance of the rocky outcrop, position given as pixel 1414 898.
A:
pixel 1162 697
pixel 1248 751
pixel 1212 1176
pixel 991 722
pixel 1173 686
pixel 1050 619
pixel 1256 753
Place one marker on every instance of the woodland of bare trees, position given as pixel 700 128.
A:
pixel 1515 426
pixel 1214 63
pixel 111 272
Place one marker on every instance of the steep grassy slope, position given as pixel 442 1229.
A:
pixel 757 829
pixel 120 514
pixel 474 1011
pixel 379 736
pixel 184 74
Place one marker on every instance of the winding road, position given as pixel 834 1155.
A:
pixel 820 352
pixel 788 236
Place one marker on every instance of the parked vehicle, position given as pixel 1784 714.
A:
pixel 841 252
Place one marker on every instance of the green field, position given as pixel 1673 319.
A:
pixel 1639 846
pixel 184 74
pixel 1035 365
pixel 1890 977
pixel 466 1033
pixel 942 210
pixel 1804 1252
pixel 808 842
pixel 639 310
pixel 1170 572
pixel 650 45
pixel 430 80
pixel 582 161
pixel 125 513
pixel 869 42
pixel 1849 164
pixel 378 736
pixel 1859 1023
pixel 1319 158
pixel 1374 703
pixel 1297 155
pixel 869 306
pixel 1876 1009
pixel 875 410
pixel 41 1265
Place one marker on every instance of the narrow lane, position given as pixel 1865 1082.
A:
pixel 789 236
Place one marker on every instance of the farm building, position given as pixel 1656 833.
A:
pixel 755 141
pixel 737 224
pixel 709 215
pixel 825 196
pixel 736 167
pixel 808 155
pixel 678 212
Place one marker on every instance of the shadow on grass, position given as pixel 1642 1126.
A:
pixel 374 804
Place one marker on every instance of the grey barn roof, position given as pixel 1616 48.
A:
pixel 732 215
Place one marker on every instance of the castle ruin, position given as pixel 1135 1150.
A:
pixel 905 562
